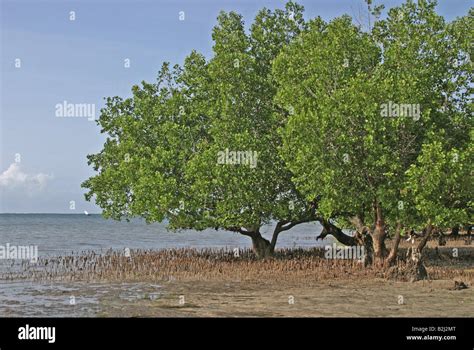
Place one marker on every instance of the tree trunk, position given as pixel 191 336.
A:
pixel 261 246
pixel 392 257
pixel 365 240
pixel 415 268
pixel 455 231
pixel 426 237
pixel 378 235
pixel 468 235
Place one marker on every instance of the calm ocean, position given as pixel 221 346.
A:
pixel 66 233
pixel 56 234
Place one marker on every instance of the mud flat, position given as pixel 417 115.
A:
pixel 191 283
pixel 339 298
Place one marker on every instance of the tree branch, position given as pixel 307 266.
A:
pixel 242 231
pixel 336 232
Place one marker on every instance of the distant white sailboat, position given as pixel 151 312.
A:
pixel 85 212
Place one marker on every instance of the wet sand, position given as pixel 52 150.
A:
pixel 341 298
pixel 370 297
pixel 190 284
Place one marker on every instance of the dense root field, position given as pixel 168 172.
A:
pixel 227 265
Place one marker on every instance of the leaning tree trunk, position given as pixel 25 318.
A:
pixel 392 257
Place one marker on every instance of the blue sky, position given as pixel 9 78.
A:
pixel 43 157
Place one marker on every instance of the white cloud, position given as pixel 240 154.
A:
pixel 14 177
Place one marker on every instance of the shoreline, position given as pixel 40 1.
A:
pixel 190 283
